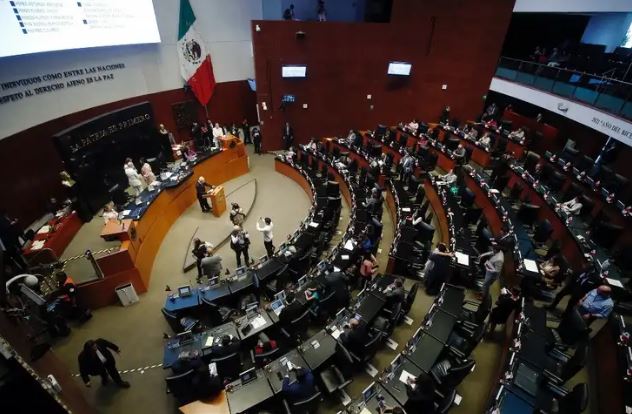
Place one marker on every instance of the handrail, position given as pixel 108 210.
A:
pixel 572 71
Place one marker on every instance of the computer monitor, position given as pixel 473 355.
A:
pixel 248 376
pixel 184 291
pixel 251 309
pixel 527 379
pixel 214 281
pixel 277 305
pixel 302 281
pixel 280 295
pixel 241 271
pixel 369 392
pixel 185 337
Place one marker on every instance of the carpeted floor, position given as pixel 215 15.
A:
pixel 138 329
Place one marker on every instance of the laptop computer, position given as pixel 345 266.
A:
pixel 369 392
pixel 302 281
pixel 213 282
pixel 277 306
pixel 280 295
pixel 240 271
pixel 248 376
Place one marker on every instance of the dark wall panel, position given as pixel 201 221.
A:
pixel 30 163
pixel 449 42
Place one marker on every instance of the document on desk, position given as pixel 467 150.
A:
pixel 209 342
pixel 462 258
pixel 406 209
pixel 336 333
pixel 126 212
pixel 365 411
pixel 313 224
pixel 350 245
pixel 45 229
pixel 258 322
pixel 344 257
pixel 405 376
pixel 531 265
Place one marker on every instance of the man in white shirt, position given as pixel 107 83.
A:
pixel 218 132
pixel 485 140
pixel 518 134
pixel 133 177
pixel 493 267
pixel 266 229
pixel 572 207
pixel 447 179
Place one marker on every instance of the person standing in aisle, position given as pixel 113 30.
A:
pixel 266 228
pixel 246 128
pixel 239 242
pixel 256 140
pixel 96 359
pixel 288 136
pixel 133 177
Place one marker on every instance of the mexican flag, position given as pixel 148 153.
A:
pixel 195 62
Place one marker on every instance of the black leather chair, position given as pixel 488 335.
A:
pixel 543 231
pixel 444 400
pixel 229 366
pixel 218 314
pixel 605 233
pixel 449 374
pixel 528 213
pixel 410 298
pixel 180 386
pixel 370 349
pixel 564 367
pixel 306 406
pixel 297 329
pixel 475 313
pixel 531 161
pixel 173 321
pixel 464 339
pixel 340 374
pixel 575 401
pixel 556 181
pixel 261 360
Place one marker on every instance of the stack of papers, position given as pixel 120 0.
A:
pixel 258 322
pixel 45 229
pixel 336 333
pixel 614 282
pixel 209 342
pixel 406 209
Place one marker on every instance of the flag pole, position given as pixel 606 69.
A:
pixel 206 111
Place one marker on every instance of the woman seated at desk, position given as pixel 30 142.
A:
pixel 517 135
pixel 109 213
pixel 470 131
pixel 551 270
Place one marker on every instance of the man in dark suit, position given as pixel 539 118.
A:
pixel 421 395
pixel 302 388
pixel 355 336
pixel 395 293
pixel 226 347
pixel 288 136
pixel 96 359
pixel 200 190
pixel 337 282
pixel 292 310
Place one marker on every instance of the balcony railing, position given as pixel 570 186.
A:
pixel 611 95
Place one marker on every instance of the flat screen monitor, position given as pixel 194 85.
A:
pixel 302 281
pixel 248 376
pixel 399 68
pixel 280 295
pixel 43 26
pixel 294 71
pixel 368 392
pixel 184 291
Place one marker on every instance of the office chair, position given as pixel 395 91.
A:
pixel 575 401
pixel 484 240
pixel 452 142
pixel 467 198
pixel 306 406
pixel 575 190
pixel 617 184
pixel 528 213
pixel 173 321
pixel 556 181
pixel 339 374
pixel 472 215
pixel 606 234
pixel 569 154
pixel 543 231
pixel 584 163
pixel 180 386
pixel 463 339
pixel 500 183
pixel 623 258
pixel 218 314
pixel 448 374
pixel 588 204
pixel 261 360
pixel 571 330
pixel 564 367
pixel 531 161
pixel 370 349
pixel 228 367
pixel 386 322
pixel 444 400
pixel 297 328
pixel 327 307
pixel 425 232
pixel 475 313
pixel 410 298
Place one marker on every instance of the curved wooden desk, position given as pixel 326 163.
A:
pixel 134 260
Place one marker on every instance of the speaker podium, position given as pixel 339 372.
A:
pixel 218 200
